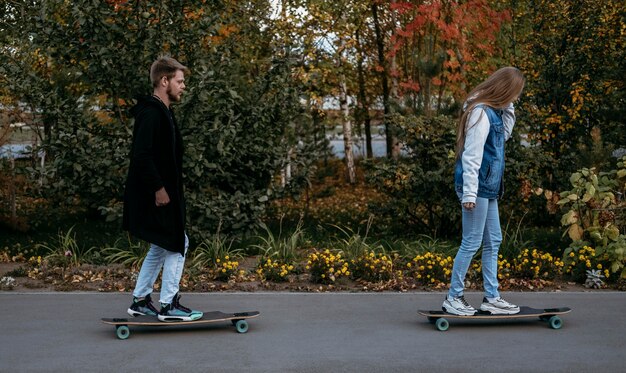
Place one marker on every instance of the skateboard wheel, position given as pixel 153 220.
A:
pixel 555 322
pixel 442 324
pixel 432 320
pixel 122 332
pixel 242 326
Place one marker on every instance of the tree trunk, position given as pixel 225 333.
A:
pixel 380 43
pixel 363 107
pixel 395 96
pixel 347 131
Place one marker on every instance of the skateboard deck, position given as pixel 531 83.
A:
pixel 551 315
pixel 237 319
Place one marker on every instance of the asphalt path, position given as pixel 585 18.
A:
pixel 311 332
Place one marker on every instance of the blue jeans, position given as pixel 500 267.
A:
pixel 172 264
pixel 480 225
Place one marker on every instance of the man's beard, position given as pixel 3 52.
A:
pixel 172 98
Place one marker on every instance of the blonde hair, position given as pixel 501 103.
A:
pixel 165 66
pixel 497 91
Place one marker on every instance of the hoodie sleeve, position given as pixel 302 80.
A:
pixel 508 120
pixel 143 148
pixel 472 157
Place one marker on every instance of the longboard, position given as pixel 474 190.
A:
pixel 237 319
pixel 440 318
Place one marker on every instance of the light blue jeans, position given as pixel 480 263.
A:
pixel 480 225
pixel 172 264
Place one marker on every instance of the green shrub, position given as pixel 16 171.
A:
pixel 326 267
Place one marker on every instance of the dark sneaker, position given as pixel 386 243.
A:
pixel 458 306
pixel 177 312
pixel 499 306
pixel 142 306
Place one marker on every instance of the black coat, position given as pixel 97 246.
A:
pixel 156 158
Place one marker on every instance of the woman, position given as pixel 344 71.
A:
pixel 485 124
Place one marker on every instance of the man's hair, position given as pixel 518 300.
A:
pixel 165 66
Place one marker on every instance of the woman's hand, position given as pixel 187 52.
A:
pixel 469 205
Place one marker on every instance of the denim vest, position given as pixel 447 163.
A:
pixel 490 182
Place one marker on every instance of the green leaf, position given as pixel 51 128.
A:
pixel 612 232
pixel 569 218
pixel 575 177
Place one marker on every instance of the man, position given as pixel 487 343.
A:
pixel 154 203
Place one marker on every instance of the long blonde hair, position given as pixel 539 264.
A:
pixel 497 91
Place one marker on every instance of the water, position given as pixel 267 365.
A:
pixel 15 151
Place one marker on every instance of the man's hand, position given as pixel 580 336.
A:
pixel 161 197
pixel 469 205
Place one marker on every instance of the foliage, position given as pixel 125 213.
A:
pixel 421 186
pixel 444 47
pixel 240 129
pixel 130 255
pixel 326 267
pixel 7 283
pixel 591 216
pixel 210 252
pixel 422 244
pixel 505 269
pixel 374 267
pixel 430 269
pixel 274 270
pixel 532 264
pixel 85 61
pixel 66 252
pixel 578 259
pixel 225 269
pixel 283 249
pixel 354 245
pixel 594 279
pixel 512 238
pixel 580 45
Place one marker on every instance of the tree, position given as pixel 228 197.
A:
pixel 81 63
pixel 573 56
pixel 444 48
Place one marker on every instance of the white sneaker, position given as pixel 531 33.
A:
pixel 458 306
pixel 498 306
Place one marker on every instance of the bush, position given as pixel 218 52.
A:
pixel 532 264
pixel 420 185
pixel 276 271
pixel 592 217
pixel 374 267
pixel 578 260
pixel 430 269
pixel 326 267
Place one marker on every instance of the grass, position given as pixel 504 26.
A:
pixel 210 251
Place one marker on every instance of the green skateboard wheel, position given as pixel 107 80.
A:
pixel 242 326
pixel 555 322
pixel 122 332
pixel 442 324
